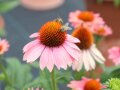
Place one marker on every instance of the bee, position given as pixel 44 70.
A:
pixel 65 27
pixel 59 20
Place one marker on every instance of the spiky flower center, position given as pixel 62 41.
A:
pixel 86 16
pixel 1 47
pixel 51 34
pixel 92 85
pixel 85 36
pixel 114 84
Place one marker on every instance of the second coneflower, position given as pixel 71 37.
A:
pixel 89 52
pixel 53 46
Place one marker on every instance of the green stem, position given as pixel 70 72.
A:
pixel 4 72
pixel 54 84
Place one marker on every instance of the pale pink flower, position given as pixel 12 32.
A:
pixel 114 55
pixel 52 46
pixel 4 46
pixel 102 30
pixel 89 52
pixel 85 17
pixel 86 84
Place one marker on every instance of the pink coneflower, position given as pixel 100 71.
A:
pixel 52 46
pixel 102 30
pixel 114 55
pixel 89 52
pixel 4 46
pixel 85 17
pixel 86 84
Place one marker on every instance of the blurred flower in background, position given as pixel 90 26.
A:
pixel 53 46
pixel 89 53
pixel 114 55
pixel 86 84
pixel 4 46
pixel 88 18
pixel 102 30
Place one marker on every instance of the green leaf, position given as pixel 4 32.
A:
pixel 63 76
pixel 20 74
pixel 9 88
pixel 42 81
pixel 116 3
pixel 2 76
pixel 5 6
pixel 107 72
pixel 2 33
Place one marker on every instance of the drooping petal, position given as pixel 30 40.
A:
pixel 60 57
pixel 30 45
pixel 51 59
pixel 97 53
pixel 91 60
pixel 72 45
pixel 34 35
pixel 33 53
pixel 85 60
pixel 72 39
pixel 44 58
pixel 72 52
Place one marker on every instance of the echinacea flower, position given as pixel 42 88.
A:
pixel 88 18
pixel 86 84
pixel 89 52
pixel 114 84
pixel 4 46
pixel 102 30
pixel 114 55
pixel 52 46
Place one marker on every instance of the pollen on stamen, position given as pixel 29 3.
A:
pixel 85 36
pixel 92 85
pixel 51 34
pixel 86 16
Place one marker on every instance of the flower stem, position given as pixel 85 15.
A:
pixel 54 84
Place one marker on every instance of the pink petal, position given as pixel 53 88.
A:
pixel 34 35
pixel 33 53
pixel 72 45
pixel 44 58
pixel 72 52
pixel 30 45
pixel 72 39
pixel 51 60
pixel 60 58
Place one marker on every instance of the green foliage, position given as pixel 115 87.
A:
pixel 2 76
pixel 2 33
pixel 9 88
pixel 19 74
pixel 44 79
pixel 107 72
pixel 116 3
pixel 5 6
pixel 115 73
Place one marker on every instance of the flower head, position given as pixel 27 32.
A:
pixel 89 52
pixel 114 55
pixel 86 84
pixel 85 17
pixel 53 46
pixel 4 46
pixel 102 30
pixel 114 84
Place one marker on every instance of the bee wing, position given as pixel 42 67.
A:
pixel 67 26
